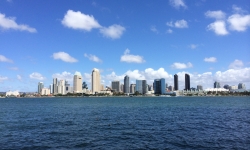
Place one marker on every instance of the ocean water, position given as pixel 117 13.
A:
pixel 125 123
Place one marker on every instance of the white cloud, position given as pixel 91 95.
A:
pixel 210 59
pixel 4 59
pixel 64 76
pixel 219 27
pixel 178 65
pixel 131 58
pixel 178 24
pixel 93 58
pixel 237 64
pixel 37 76
pixel 169 31
pixel 19 77
pixel 153 28
pixel 177 3
pixel 64 57
pixel 114 32
pixel 3 78
pixel 215 14
pixel 239 22
pixel 78 20
pixel 193 46
pixel 9 23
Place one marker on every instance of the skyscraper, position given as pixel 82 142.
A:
pixel 159 86
pixel 55 86
pixel 176 86
pixel 77 83
pixel 61 87
pixel 217 84
pixel 241 86
pixel 187 82
pixel 115 85
pixel 141 86
pixel 132 88
pixel 96 81
pixel 126 84
pixel 199 87
pixel 40 87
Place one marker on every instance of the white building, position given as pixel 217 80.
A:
pixel 216 90
pixel 13 93
pixel 77 83
pixel 96 81
pixel 61 87
pixel 233 87
pixel 45 91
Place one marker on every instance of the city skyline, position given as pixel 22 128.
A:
pixel 143 39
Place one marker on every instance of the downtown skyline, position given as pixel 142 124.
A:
pixel 144 40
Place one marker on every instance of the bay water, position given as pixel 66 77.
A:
pixel 125 123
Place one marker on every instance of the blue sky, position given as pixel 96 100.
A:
pixel 145 39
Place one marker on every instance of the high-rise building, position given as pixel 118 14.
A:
pixel 176 86
pixel 199 87
pixel 187 82
pixel 241 86
pixel 141 86
pixel 115 85
pixel 121 88
pixel 51 88
pixel 77 82
pixel 170 88
pixel 96 81
pixel 84 85
pixel 217 84
pixel 54 86
pixel 159 86
pixel 61 87
pixel 40 87
pixel 132 88
pixel 126 84
pixel 226 86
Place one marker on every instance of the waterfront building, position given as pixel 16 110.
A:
pixel 121 88
pixel 187 82
pixel 176 86
pixel 102 87
pixel 159 86
pixel 150 88
pixel 51 88
pixel 226 86
pixel 241 86
pixel 40 87
pixel 217 84
pixel 216 90
pixel 126 84
pixel 12 93
pixel 96 81
pixel 115 85
pixel 199 87
pixel 77 82
pixel 141 86
pixel 170 88
pixel 54 86
pixel 84 85
pixel 132 88
pixel 233 87
pixel 45 91
pixel 61 87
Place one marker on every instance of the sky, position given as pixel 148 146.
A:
pixel 144 39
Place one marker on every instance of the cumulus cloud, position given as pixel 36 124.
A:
pixel 178 24
pixel 153 28
pixel 237 64
pixel 114 32
pixel 4 59
pixel 3 78
pixel 210 59
pixel 169 31
pixel 178 65
pixel 10 23
pixel 177 3
pixel 129 58
pixel 215 14
pixel 219 27
pixel 64 57
pixel 93 58
pixel 63 76
pixel 37 76
pixel 78 20
pixel 193 46
pixel 239 22
pixel 19 77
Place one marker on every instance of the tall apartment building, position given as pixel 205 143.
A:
pixel 40 87
pixel 96 81
pixel 54 86
pixel 141 86
pixel 217 84
pixel 159 86
pixel 115 85
pixel 77 82
pixel 126 84
pixel 176 86
pixel 132 88
pixel 187 82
